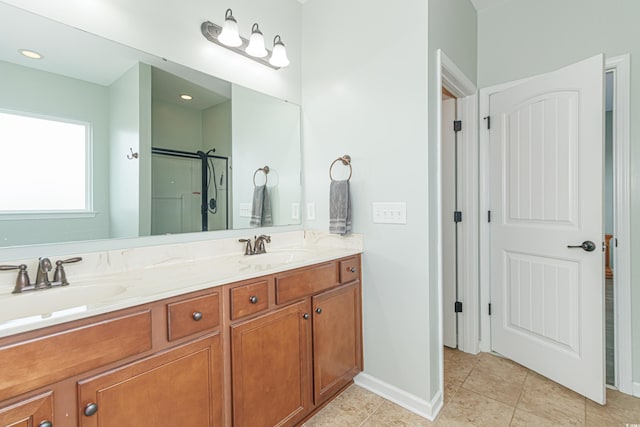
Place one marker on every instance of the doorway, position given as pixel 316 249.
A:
pixel 618 326
pixel 609 172
pixel 451 217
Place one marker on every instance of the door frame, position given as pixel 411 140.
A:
pixel 622 205
pixel 450 76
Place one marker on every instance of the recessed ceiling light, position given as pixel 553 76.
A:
pixel 30 54
pixel 186 97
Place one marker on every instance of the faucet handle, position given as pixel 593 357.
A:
pixel 247 249
pixel 22 281
pixel 59 276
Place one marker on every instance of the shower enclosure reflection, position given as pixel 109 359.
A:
pixel 189 192
pixel 190 145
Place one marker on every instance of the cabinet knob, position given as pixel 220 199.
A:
pixel 253 299
pixel 90 409
pixel 318 310
pixel 305 316
pixel 352 269
pixel 197 316
pixel 45 423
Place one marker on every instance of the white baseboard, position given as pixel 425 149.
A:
pixel 636 389
pixel 425 409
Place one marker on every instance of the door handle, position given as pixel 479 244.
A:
pixel 587 245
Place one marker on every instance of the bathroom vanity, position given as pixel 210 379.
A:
pixel 266 350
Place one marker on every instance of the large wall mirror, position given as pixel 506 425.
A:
pixel 101 141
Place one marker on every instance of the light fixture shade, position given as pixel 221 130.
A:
pixel 256 43
pixel 279 55
pixel 229 36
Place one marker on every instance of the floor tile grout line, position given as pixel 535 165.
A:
pixel 515 408
pixel 373 412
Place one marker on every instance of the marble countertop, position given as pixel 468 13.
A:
pixel 109 282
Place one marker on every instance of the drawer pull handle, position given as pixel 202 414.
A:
pixel 305 316
pixel 352 269
pixel 90 409
pixel 197 316
pixel 318 310
pixel 253 299
pixel 45 423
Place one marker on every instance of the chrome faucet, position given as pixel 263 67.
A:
pixel 258 246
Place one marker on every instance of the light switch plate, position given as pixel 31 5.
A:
pixel 311 211
pixel 295 210
pixel 245 210
pixel 389 212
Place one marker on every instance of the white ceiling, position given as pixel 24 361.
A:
pixel 478 4
pixel 80 55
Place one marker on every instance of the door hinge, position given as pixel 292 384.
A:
pixel 489 309
pixel 457 307
pixel 489 216
pixel 457 216
pixel 616 242
pixel 457 125
pixel 488 119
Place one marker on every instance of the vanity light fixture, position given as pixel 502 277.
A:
pixel 254 48
pixel 256 43
pixel 279 55
pixel 230 36
pixel 30 54
pixel 186 97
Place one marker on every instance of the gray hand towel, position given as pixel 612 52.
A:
pixel 261 207
pixel 266 208
pixel 339 208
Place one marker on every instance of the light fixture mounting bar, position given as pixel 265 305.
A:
pixel 211 31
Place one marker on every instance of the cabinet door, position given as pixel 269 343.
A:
pixel 271 368
pixel 337 339
pixel 33 412
pixel 180 387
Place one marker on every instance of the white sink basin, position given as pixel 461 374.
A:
pixel 35 305
pixel 277 257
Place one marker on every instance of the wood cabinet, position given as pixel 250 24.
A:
pixel 35 411
pixel 172 388
pixel 337 342
pixel 265 352
pixel 287 362
pixel 271 368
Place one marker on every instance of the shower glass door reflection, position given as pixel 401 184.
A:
pixel 178 183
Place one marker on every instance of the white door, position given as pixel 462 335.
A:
pixel 547 299
pixel 449 235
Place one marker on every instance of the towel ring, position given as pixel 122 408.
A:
pixel 346 160
pixel 265 170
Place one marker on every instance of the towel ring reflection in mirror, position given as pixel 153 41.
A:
pixel 265 170
pixel 346 160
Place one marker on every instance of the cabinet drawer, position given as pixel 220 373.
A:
pixel 193 315
pixel 51 358
pixel 30 412
pixel 349 270
pixel 301 283
pixel 249 299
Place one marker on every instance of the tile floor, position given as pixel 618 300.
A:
pixel 485 390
